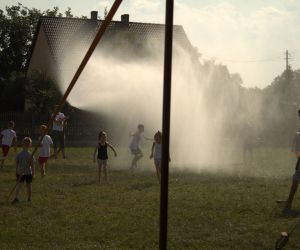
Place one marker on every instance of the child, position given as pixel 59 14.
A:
pixel 296 176
pixel 9 138
pixel 24 169
pixel 156 153
pixel 102 156
pixel 44 149
pixel 135 145
pixel 58 133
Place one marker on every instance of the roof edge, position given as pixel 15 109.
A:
pixel 101 20
pixel 36 33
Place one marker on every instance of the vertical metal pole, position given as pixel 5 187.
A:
pixel 166 125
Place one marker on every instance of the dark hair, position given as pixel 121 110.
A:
pixel 158 133
pixel 101 133
pixel 140 126
pixel 11 124
pixel 27 141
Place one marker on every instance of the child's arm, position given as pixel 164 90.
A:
pixel 41 144
pixel 148 138
pixel 32 167
pixel 96 148
pixel 152 149
pixel 14 143
pixel 112 148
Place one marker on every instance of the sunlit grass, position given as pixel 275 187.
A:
pixel 208 210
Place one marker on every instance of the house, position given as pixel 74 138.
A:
pixel 55 37
pixel 59 39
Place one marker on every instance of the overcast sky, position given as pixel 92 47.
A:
pixel 250 37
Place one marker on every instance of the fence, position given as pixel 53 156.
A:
pixel 81 130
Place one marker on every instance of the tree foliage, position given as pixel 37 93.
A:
pixel 17 28
pixel 42 93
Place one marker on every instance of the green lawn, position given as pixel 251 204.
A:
pixel 207 210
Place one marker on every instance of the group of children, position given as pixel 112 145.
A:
pixel 103 144
pixel 25 161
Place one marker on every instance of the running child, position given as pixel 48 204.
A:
pixel 44 149
pixel 9 138
pixel 296 176
pixel 24 169
pixel 135 145
pixel 102 156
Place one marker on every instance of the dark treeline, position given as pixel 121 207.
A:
pixel 17 28
pixel 268 116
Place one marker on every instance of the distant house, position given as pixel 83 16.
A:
pixel 58 38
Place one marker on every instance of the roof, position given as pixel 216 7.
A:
pixel 61 32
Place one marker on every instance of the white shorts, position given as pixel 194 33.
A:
pixel 102 162
pixel 157 162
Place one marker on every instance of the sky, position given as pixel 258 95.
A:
pixel 249 37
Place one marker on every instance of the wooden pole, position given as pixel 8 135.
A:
pixel 82 65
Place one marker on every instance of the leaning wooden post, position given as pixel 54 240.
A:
pixel 82 65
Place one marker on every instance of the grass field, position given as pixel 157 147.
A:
pixel 207 210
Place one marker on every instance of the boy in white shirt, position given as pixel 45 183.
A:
pixel 9 138
pixel 58 133
pixel 44 149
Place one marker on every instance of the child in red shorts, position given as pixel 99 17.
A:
pixel 9 138
pixel 44 149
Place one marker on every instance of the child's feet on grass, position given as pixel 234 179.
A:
pixel 287 207
pixel 15 201
pixel 280 201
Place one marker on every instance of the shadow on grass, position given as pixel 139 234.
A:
pixel 142 186
pixel 287 213
pixel 290 213
pixel 82 184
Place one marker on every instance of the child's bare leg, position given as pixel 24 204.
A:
pixel 29 191
pixel 63 153
pixel 55 152
pixel 293 190
pixel 158 173
pixel 18 188
pixel 99 172
pixel 105 173
pixel 43 166
pixel 2 162
pixel 135 160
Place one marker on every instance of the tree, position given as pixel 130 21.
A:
pixel 17 28
pixel 42 92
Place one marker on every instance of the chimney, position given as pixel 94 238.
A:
pixel 94 15
pixel 125 20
